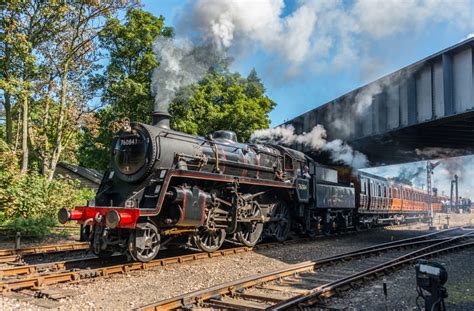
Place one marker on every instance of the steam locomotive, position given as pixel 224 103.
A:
pixel 166 186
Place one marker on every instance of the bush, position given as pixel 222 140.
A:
pixel 29 203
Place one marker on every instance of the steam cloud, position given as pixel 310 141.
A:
pixel 436 152
pixel 181 64
pixel 410 175
pixel 316 139
pixel 316 35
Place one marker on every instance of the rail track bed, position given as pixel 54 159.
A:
pixel 88 267
pixel 182 272
pixel 22 254
pixel 36 276
pixel 307 284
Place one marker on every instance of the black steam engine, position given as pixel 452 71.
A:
pixel 167 186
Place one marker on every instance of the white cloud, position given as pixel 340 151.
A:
pixel 319 34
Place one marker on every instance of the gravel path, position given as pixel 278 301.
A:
pixel 121 292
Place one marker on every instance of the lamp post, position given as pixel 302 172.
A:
pixel 429 171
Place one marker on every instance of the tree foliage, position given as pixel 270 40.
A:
pixel 60 103
pixel 49 55
pixel 126 83
pixel 128 75
pixel 29 203
pixel 222 100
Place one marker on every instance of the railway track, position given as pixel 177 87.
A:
pixel 17 255
pixel 23 254
pixel 305 284
pixel 41 275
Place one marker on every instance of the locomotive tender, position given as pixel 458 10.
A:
pixel 169 186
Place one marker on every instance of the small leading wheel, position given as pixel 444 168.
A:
pixel 144 243
pixel 250 232
pixel 209 239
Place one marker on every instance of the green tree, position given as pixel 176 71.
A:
pixel 222 100
pixel 126 82
pixel 48 56
pixel 128 76
pixel 24 25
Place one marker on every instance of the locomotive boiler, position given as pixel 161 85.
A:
pixel 166 186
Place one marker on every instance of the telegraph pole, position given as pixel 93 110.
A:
pixel 429 171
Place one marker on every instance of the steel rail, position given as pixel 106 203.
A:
pixel 233 287
pixel 35 250
pixel 22 270
pixel 7 255
pixel 69 276
pixel 330 288
pixel 14 255
pixel 17 271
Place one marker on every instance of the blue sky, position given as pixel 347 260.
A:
pixel 350 43
pixel 309 89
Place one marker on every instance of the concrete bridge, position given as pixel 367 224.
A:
pixel 422 111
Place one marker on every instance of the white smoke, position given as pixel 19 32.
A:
pixel 316 139
pixel 364 99
pixel 181 64
pixel 438 152
pixel 317 34
pixel 342 152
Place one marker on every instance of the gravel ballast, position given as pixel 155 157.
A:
pixel 123 292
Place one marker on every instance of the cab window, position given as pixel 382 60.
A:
pixel 288 163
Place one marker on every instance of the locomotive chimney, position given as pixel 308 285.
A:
pixel 161 119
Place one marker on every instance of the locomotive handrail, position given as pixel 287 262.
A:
pixel 231 163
